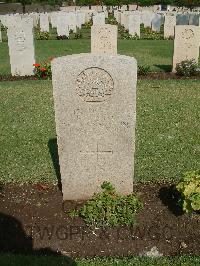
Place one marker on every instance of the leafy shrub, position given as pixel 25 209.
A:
pixel 189 188
pixel 143 70
pixel 62 37
pixel 148 34
pixel 128 36
pixel 42 35
pixel 134 37
pixel 78 35
pixel 88 24
pixel 188 68
pixel 43 70
pixel 123 32
pixel 111 20
pixel 109 208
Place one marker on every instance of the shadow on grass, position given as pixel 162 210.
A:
pixel 170 196
pixel 165 68
pixel 17 246
pixel 53 149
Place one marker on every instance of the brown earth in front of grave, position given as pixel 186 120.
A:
pixel 149 76
pixel 33 217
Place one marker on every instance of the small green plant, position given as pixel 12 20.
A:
pixel 189 188
pixel 43 70
pixel 108 208
pixel 88 24
pixel 188 68
pixel 62 37
pixel 78 35
pixel 42 35
pixel 143 70
pixel 123 32
pixel 111 20
pixel 148 34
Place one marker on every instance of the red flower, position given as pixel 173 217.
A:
pixel 36 65
pixel 43 69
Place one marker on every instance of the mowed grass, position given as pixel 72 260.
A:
pixel 155 53
pixel 24 260
pixel 167 134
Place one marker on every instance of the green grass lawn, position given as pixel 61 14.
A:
pixel 167 140
pixel 22 260
pixel 155 53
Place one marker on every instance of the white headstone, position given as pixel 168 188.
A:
pixel 62 26
pixel 134 24
pixel 146 18
pixel 99 19
pixel 169 26
pixel 104 39
pixel 21 47
pixel 156 22
pixel 186 44
pixel 80 19
pixel 182 19
pixel 44 22
pixel 72 21
pixel 95 109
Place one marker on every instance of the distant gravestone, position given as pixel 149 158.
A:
pixel 44 22
pixel 186 44
pixel 122 18
pixel 134 24
pixel 104 39
pixel 146 17
pixel 182 19
pixel 125 19
pixel 21 47
pixel 119 17
pixel 35 17
pixel 99 19
pixel 53 19
pixel 72 20
pixel 80 19
pixel 95 109
pixel 156 22
pixel 62 24
pixel 169 25
pixel 194 19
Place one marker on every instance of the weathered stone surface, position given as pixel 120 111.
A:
pixel 194 19
pixel 44 22
pixel 186 44
pixel 170 23
pixel 134 24
pixel 72 20
pixel 21 47
pixel 182 19
pixel 146 17
pixel 80 19
pixel 95 108
pixel 104 39
pixel 99 19
pixel 156 22
pixel 61 23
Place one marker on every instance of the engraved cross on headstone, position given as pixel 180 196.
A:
pixel 98 152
